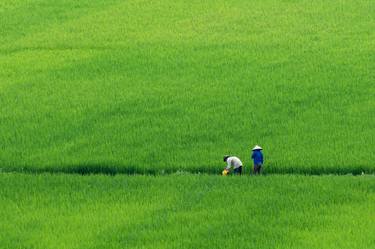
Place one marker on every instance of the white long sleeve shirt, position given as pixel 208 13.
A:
pixel 233 161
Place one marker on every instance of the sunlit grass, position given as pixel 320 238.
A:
pixel 153 86
pixel 70 211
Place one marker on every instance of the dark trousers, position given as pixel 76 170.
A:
pixel 238 171
pixel 257 168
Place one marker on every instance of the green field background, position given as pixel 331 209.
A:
pixel 189 211
pixel 159 86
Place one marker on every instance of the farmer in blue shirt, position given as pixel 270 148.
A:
pixel 257 157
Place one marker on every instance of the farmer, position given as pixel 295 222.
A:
pixel 234 162
pixel 257 157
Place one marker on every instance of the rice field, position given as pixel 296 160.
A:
pixel 161 86
pixel 186 211
pixel 143 99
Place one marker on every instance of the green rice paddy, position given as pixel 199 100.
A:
pixel 153 86
pixel 71 211
pixel 154 93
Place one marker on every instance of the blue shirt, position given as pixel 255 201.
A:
pixel 257 157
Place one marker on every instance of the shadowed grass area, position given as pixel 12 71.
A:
pixel 152 86
pixel 47 211
pixel 110 169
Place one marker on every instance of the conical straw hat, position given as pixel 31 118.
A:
pixel 257 147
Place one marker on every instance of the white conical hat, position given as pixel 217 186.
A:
pixel 257 147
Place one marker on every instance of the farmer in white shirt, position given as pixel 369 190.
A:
pixel 234 162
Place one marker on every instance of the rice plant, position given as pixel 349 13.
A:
pixel 189 211
pixel 160 86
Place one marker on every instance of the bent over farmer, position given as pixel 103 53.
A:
pixel 257 157
pixel 235 162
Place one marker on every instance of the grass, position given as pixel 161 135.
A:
pixel 153 86
pixel 159 87
pixel 71 211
